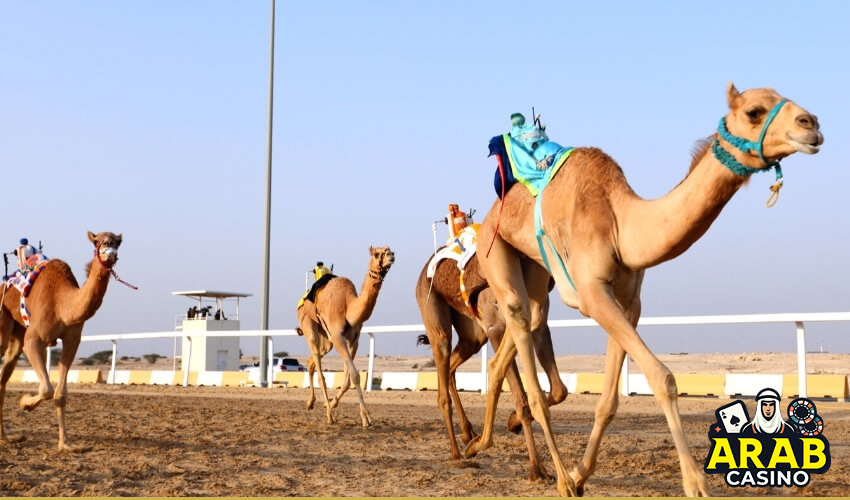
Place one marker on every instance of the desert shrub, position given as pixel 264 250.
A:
pixel 281 354
pixel 151 358
pixel 101 356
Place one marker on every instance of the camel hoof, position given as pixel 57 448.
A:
pixel 26 406
pixel 697 488
pixel 514 423
pixel 567 488
pixel 468 437
pixel 574 475
pixel 539 475
pixel 334 403
pixel 309 405
pixel 475 446
pixel 74 448
pixel 12 439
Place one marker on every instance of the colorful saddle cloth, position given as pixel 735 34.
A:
pixel 23 281
pixel 459 249
pixel 516 164
pixel 311 293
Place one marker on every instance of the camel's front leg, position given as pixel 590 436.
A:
pixel 35 351
pixel 346 378
pixel 341 346
pixel 601 306
pixel 69 350
pixel 12 352
pixel 606 408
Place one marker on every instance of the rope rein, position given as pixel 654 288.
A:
pixel 110 269
pixel 745 146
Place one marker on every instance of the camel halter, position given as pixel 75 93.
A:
pixel 109 268
pixel 745 146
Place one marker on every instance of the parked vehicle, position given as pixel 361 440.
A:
pixel 279 364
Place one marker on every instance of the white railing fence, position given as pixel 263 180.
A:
pixel 798 319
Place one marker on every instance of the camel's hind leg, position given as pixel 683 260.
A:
pixel 69 349
pixel 342 347
pixel 522 292
pixel 470 340
pixel 537 472
pixel 346 377
pixel 311 369
pixel 11 334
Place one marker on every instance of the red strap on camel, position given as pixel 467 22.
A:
pixel 111 271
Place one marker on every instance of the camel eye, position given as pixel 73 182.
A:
pixel 755 114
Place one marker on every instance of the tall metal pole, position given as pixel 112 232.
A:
pixel 264 313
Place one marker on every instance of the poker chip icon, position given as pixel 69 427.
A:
pixel 804 415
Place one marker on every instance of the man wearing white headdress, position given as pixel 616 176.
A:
pixel 768 419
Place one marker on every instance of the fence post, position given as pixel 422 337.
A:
pixel 484 378
pixel 801 359
pixel 270 374
pixel 114 361
pixel 624 377
pixel 371 369
pixel 187 363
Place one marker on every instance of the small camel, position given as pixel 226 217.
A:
pixel 335 320
pixel 59 308
pixel 442 307
pixel 607 236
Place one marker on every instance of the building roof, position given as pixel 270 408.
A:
pixel 210 293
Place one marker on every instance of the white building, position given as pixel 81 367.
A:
pixel 210 353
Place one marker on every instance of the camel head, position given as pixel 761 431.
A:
pixel 106 247
pixel 381 260
pixel 786 127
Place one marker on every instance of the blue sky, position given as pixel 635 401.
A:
pixel 149 119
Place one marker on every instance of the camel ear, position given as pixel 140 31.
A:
pixel 118 240
pixel 92 236
pixel 371 249
pixel 732 94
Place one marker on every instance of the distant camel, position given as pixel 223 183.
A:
pixel 58 307
pixel 442 307
pixel 606 236
pixel 334 319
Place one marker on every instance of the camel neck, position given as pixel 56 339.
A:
pixel 362 306
pixel 88 298
pixel 655 231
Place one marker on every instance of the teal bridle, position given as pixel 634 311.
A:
pixel 745 146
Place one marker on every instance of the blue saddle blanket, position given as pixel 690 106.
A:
pixel 534 170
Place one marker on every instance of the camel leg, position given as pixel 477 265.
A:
pixel 522 297
pixel 346 378
pixel 35 351
pixel 69 350
pixel 546 355
pixel 317 360
pixel 12 351
pixel 346 383
pixel 311 369
pixel 341 345
pixel 469 342
pixel 522 415
pixel 606 408
pixel 600 305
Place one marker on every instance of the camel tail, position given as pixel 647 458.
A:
pixel 422 340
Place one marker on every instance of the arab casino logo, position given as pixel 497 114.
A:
pixel 768 450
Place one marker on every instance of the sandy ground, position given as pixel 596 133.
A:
pixel 175 441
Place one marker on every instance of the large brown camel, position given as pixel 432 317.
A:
pixel 59 308
pixel 335 320
pixel 607 236
pixel 442 307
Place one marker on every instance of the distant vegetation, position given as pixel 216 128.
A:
pixel 281 354
pixel 151 358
